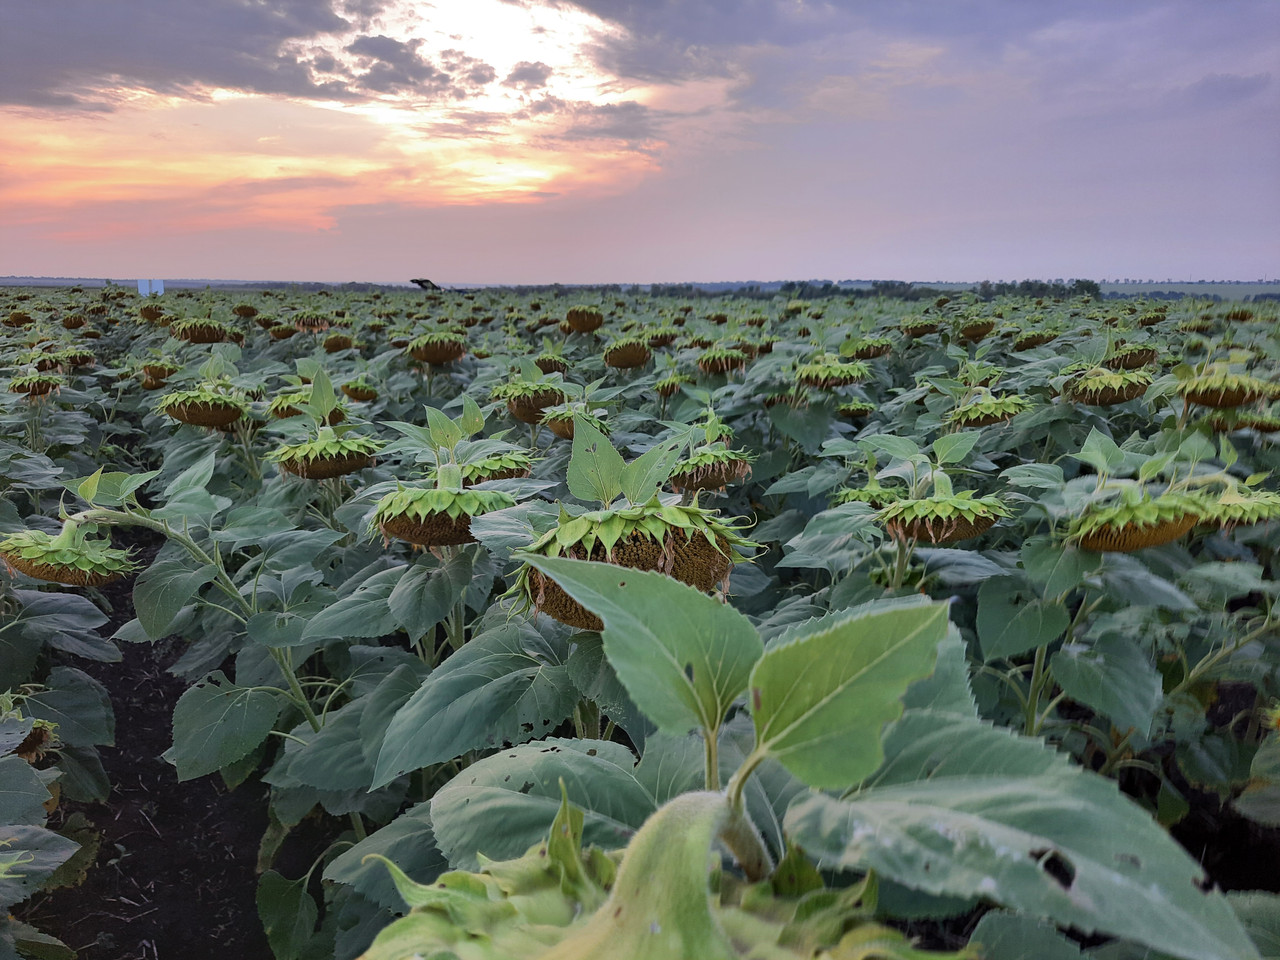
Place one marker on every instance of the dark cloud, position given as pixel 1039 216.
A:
pixel 388 65
pixel 665 40
pixel 630 122
pixel 66 53
pixel 528 76
pixel 361 11
pixel 545 105
pixel 467 70
pixel 74 53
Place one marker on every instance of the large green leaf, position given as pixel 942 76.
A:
pixel 1012 619
pixel 35 853
pixel 392 693
pixel 13 730
pixel 78 704
pixel 194 477
pixel 924 744
pixel 821 697
pixel 1127 580
pixel 366 612
pixel 1056 567
pixel 330 758
pixel 426 593
pixel 1114 677
pixel 642 477
pixel 596 680
pixel 502 805
pixel 833 539
pixel 406 841
pixel 288 914
pixel 163 589
pixel 595 467
pixel 444 432
pixel 901 448
pixel 22 792
pixel 520 789
pixel 505 685
pixel 954 447
pixel 947 688
pixel 1102 453
pixel 1009 819
pixel 1260 914
pixel 216 723
pixel 683 656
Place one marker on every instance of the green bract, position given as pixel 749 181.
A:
pixel 211 394
pixel 871 493
pixel 528 389
pixel 866 348
pixel 828 372
pixel 1235 507
pixel 420 503
pixel 1218 386
pixel 434 337
pixel 710 467
pixel 434 516
pixel 600 531
pixel 1099 386
pixel 940 518
pixel 328 454
pixel 684 541
pixel 721 359
pixel 499 466
pixel 621 343
pixel 36 383
pixel 564 413
pixel 856 408
pixel 70 557
pixel 987 409
pixel 1139 519
pixel 667 386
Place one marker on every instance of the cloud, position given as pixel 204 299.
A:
pixel 385 65
pixel 78 53
pixel 626 122
pixel 58 58
pixel 1223 89
pixel 528 76
pixel 630 122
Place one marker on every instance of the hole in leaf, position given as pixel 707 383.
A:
pixel 1056 866
pixel 688 671
pixel 591 752
pixel 528 785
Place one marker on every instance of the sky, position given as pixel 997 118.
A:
pixel 621 141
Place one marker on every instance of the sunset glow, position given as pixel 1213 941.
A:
pixel 295 120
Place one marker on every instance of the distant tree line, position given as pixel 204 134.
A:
pixel 987 290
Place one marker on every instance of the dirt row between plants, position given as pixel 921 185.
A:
pixel 175 875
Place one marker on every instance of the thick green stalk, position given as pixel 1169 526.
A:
pixel 221 580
